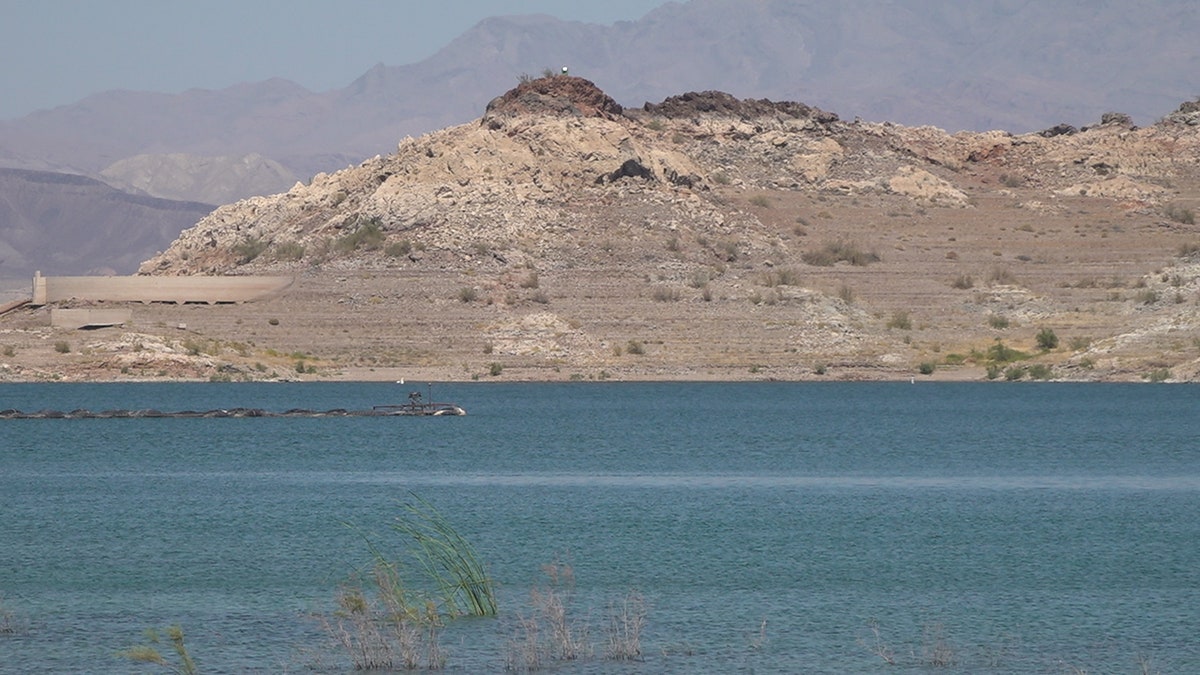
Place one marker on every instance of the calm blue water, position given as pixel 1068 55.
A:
pixel 1033 527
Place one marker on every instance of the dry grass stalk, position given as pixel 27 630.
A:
pixel 626 620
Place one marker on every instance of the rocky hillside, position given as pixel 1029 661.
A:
pixel 561 236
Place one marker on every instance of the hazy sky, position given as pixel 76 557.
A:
pixel 56 52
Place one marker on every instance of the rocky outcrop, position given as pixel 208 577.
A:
pixel 555 157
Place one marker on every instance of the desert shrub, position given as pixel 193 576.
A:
pixel 635 347
pixel 963 282
pixel 900 320
pixel 249 248
pixel 368 236
pixel 846 294
pixel 656 125
pixel 834 252
pixel 665 294
pixel 1039 371
pixel 1002 353
pixel 721 178
pixel 495 369
pixel 530 281
pixel 9 350
pixel 1146 296
pixel 993 371
pixel 998 322
pixel 1180 214
pixel 1188 249
pixel 1001 276
pixel 540 297
pixel 1014 373
pixel 289 251
pixel 783 276
pixel 398 249
pixel 761 201
pixel 1158 375
pixel 62 347
pixel 1046 339
pixel 467 294
pixel 1079 344
pixel 926 367
pixel 1011 180
pixel 273 321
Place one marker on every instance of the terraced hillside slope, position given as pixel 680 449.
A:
pixel 705 237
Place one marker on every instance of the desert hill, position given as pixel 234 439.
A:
pixel 562 236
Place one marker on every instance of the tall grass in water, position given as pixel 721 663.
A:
pixel 448 560
pixel 149 653
pixel 383 623
pixel 552 632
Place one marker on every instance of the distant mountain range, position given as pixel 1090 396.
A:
pixel 1017 65
pixel 66 224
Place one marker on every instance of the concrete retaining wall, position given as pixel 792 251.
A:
pixel 89 318
pixel 209 290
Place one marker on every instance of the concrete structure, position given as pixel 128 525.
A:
pixel 89 318
pixel 210 290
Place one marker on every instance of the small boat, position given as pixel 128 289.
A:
pixel 417 405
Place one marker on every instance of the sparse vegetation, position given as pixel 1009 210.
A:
pixel 495 369
pixel 366 235
pixel 1158 375
pixel 289 251
pixel 149 653
pixel 900 320
pixel 468 294
pixel 635 347
pixel 398 249
pixel 834 252
pixel 963 282
pixel 997 321
pixel 249 248
pixel 62 347
pixel 665 294
pixel 1180 214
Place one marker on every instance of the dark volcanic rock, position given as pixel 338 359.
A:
pixel 693 103
pixel 561 95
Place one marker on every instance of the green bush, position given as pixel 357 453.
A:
pixel 249 248
pixel 1001 353
pixel 1039 371
pixel 926 367
pixel 368 236
pixel 1046 339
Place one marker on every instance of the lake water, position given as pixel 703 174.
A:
pixel 771 527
